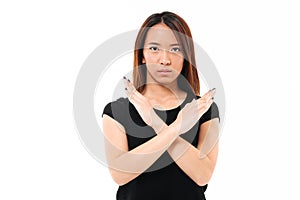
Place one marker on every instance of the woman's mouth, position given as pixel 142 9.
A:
pixel 164 72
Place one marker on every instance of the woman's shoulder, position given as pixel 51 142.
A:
pixel 120 101
pixel 118 110
pixel 116 107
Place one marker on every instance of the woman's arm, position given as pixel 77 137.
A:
pixel 126 165
pixel 198 163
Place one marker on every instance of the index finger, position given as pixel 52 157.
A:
pixel 209 94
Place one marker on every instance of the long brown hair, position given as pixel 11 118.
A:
pixel 184 37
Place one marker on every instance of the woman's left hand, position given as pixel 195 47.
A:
pixel 143 106
pixel 190 114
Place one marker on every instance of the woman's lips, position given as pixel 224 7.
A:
pixel 164 72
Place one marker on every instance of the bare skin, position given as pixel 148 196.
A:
pixel 159 54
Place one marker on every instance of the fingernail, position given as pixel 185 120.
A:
pixel 128 80
pixel 213 89
pixel 124 77
pixel 212 98
pixel 125 88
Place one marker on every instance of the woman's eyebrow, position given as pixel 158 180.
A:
pixel 153 43
pixel 156 43
pixel 175 44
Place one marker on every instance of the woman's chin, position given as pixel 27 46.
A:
pixel 165 81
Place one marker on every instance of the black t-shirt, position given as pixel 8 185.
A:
pixel 164 179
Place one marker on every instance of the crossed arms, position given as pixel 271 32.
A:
pixel 198 163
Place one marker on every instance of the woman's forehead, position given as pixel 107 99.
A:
pixel 162 34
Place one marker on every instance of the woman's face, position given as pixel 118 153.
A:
pixel 162 55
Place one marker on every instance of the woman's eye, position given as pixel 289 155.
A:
pixel 153 48
pixel 175 49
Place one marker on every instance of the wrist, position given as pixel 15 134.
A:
pixel 176 127
pixel 158 126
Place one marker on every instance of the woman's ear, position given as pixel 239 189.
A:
pixel 143 61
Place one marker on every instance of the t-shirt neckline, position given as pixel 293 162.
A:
pixel 186 98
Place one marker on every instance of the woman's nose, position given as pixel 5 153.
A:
pixel 165 59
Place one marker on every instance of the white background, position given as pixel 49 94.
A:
pixel 254 45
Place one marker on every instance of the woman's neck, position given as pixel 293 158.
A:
pixel 156 90
pixel 164 97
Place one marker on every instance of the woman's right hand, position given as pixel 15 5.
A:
pixel 192 112
pixel 143 107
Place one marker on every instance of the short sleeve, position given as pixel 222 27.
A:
pixel 211 113
pixel 107 110
pixel 117 111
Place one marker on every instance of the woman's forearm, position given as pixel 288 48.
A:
pixel 187 157
pixel 128 165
